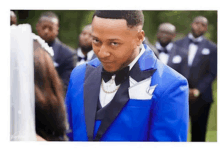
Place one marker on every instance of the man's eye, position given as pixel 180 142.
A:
pixel 114 43
pixel 95 41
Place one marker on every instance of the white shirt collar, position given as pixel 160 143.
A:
pixel 136 59
pixel 79 53
pixel 89 54
pixel 168 47
pixel 198 39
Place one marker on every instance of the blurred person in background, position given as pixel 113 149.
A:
pixel 169 53
pixel 84 51
pixel 202 66
pixel 13 18
pixel 64 58
pixel 50 112
pixel 37 98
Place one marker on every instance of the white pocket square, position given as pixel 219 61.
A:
pixel 177 59
pixel 141 90
pixel 205 51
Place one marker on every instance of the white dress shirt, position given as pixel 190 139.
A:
pixel 80 54
pixel 104 97
pixel 193 48
pixel 164 56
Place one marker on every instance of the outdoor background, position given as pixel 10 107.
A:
pixel 72 22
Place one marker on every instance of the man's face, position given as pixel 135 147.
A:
pixel 85 38
pixel 165 37
pixel 114 43
pixel 47 30
pixel 199 27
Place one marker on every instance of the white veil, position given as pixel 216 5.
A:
pixel 22 122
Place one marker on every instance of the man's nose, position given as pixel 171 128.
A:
pixel 103 52
pixel 46 30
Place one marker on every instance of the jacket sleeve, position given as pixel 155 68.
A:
pixel 170 114
pixel 205 82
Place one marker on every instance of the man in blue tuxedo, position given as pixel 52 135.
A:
pixel 202 66
pixel 126 94
pixel 169 53
pixel 64 57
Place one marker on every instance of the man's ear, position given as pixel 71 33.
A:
pixel 140 37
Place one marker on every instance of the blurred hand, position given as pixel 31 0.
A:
pixel 193 94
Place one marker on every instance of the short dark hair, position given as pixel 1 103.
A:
pixel 133 17
pixel 49 14
pixel 207 22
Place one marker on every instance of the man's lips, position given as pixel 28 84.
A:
pixel 106 61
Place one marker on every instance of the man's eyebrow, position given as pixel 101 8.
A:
pixel 94 36
pixel 114 39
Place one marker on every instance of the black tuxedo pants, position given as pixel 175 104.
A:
pixel 199 113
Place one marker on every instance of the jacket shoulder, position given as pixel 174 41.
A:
pixel 211 44
pixel 165 76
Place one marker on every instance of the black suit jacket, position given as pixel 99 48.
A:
pixel 204 67
pixel 181 66
pixel 64 59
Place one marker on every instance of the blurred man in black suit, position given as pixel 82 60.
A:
pixel 170 53
pixel 84 51
pixel 48 29
pixel 202 62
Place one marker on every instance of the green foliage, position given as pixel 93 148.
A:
pixel 181 19
pixel 72 22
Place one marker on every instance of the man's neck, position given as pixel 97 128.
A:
pixel 164 44
pixel 51 43
pixel 85 52
pixel 191 36
pixel 196 36
pixel 138 55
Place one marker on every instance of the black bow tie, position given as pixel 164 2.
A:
pixel 195 42
pixel 80 58
pixel 164 50
pixel 120 75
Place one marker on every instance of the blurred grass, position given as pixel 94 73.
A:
pixel 211 135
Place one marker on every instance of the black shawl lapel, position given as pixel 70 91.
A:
pixel 139 75
pixel 113 108
pixel 199 50
pixel 172 54
pixel 56 47
pixel 91 96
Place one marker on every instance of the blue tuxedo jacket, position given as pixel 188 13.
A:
pixel 204 67
pixel 65 60
pixel 164 117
